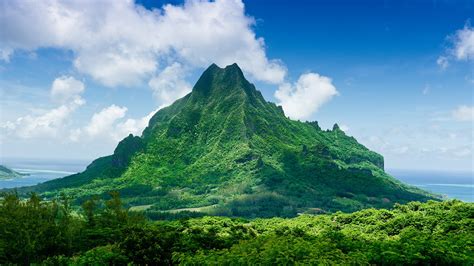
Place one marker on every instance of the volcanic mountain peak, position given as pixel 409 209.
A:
pixel 220 82
pixel 223 145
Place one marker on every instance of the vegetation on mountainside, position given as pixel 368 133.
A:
pixel 7 173
pixel 103 232
pixel 224 145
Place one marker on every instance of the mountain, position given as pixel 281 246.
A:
pixel 224 149
pixel 7 173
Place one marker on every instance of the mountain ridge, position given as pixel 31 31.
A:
pixel 8 173
pixel 224 145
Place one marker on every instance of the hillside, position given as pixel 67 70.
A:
pixel 7 173
pixel 225 148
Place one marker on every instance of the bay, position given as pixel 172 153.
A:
pixel 40 170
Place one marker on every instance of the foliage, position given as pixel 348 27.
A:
pixel 103 232
pixel 225 144
pixel 263 205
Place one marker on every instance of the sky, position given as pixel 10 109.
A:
pixel 78 76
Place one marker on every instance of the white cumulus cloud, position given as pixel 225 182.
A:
pixel 66 88
pixel 301 99
pixel 462 47
pixel 464 43
pixel 122 43
pixel 170 85
pixel 132 126
pixel 103 121
pixel 110 124
pixel 48 123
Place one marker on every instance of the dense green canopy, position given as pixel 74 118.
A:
pixel 102 232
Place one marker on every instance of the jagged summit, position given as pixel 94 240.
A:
pixel 223 95
pixel 220 82
pixel 232 68
pixel 224 148
pixel 214 74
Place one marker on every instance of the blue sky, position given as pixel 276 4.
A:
pixel 397 75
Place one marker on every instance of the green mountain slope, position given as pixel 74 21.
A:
pixel 224 146
pixel 7 173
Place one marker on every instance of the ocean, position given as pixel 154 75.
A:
pixel 40 170
pixel 451 185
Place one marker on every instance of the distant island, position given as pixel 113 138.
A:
pixel 7 173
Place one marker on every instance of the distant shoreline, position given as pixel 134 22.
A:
pixel 27 171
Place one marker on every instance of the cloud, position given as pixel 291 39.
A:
pixel 344 128
pixel 463 42
pixel 462 47
pixel 65 89
pixel 47 124
pixel 122 43
pixel 75 134
pixel 109 124
pixel 132 126
pixel 5 53
pixel 442 62
pixel 400 150
pixel 55 123
pixel 463 113
pixel 301 99
pixel 424 143
pixel 169 85
pixel 103 121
